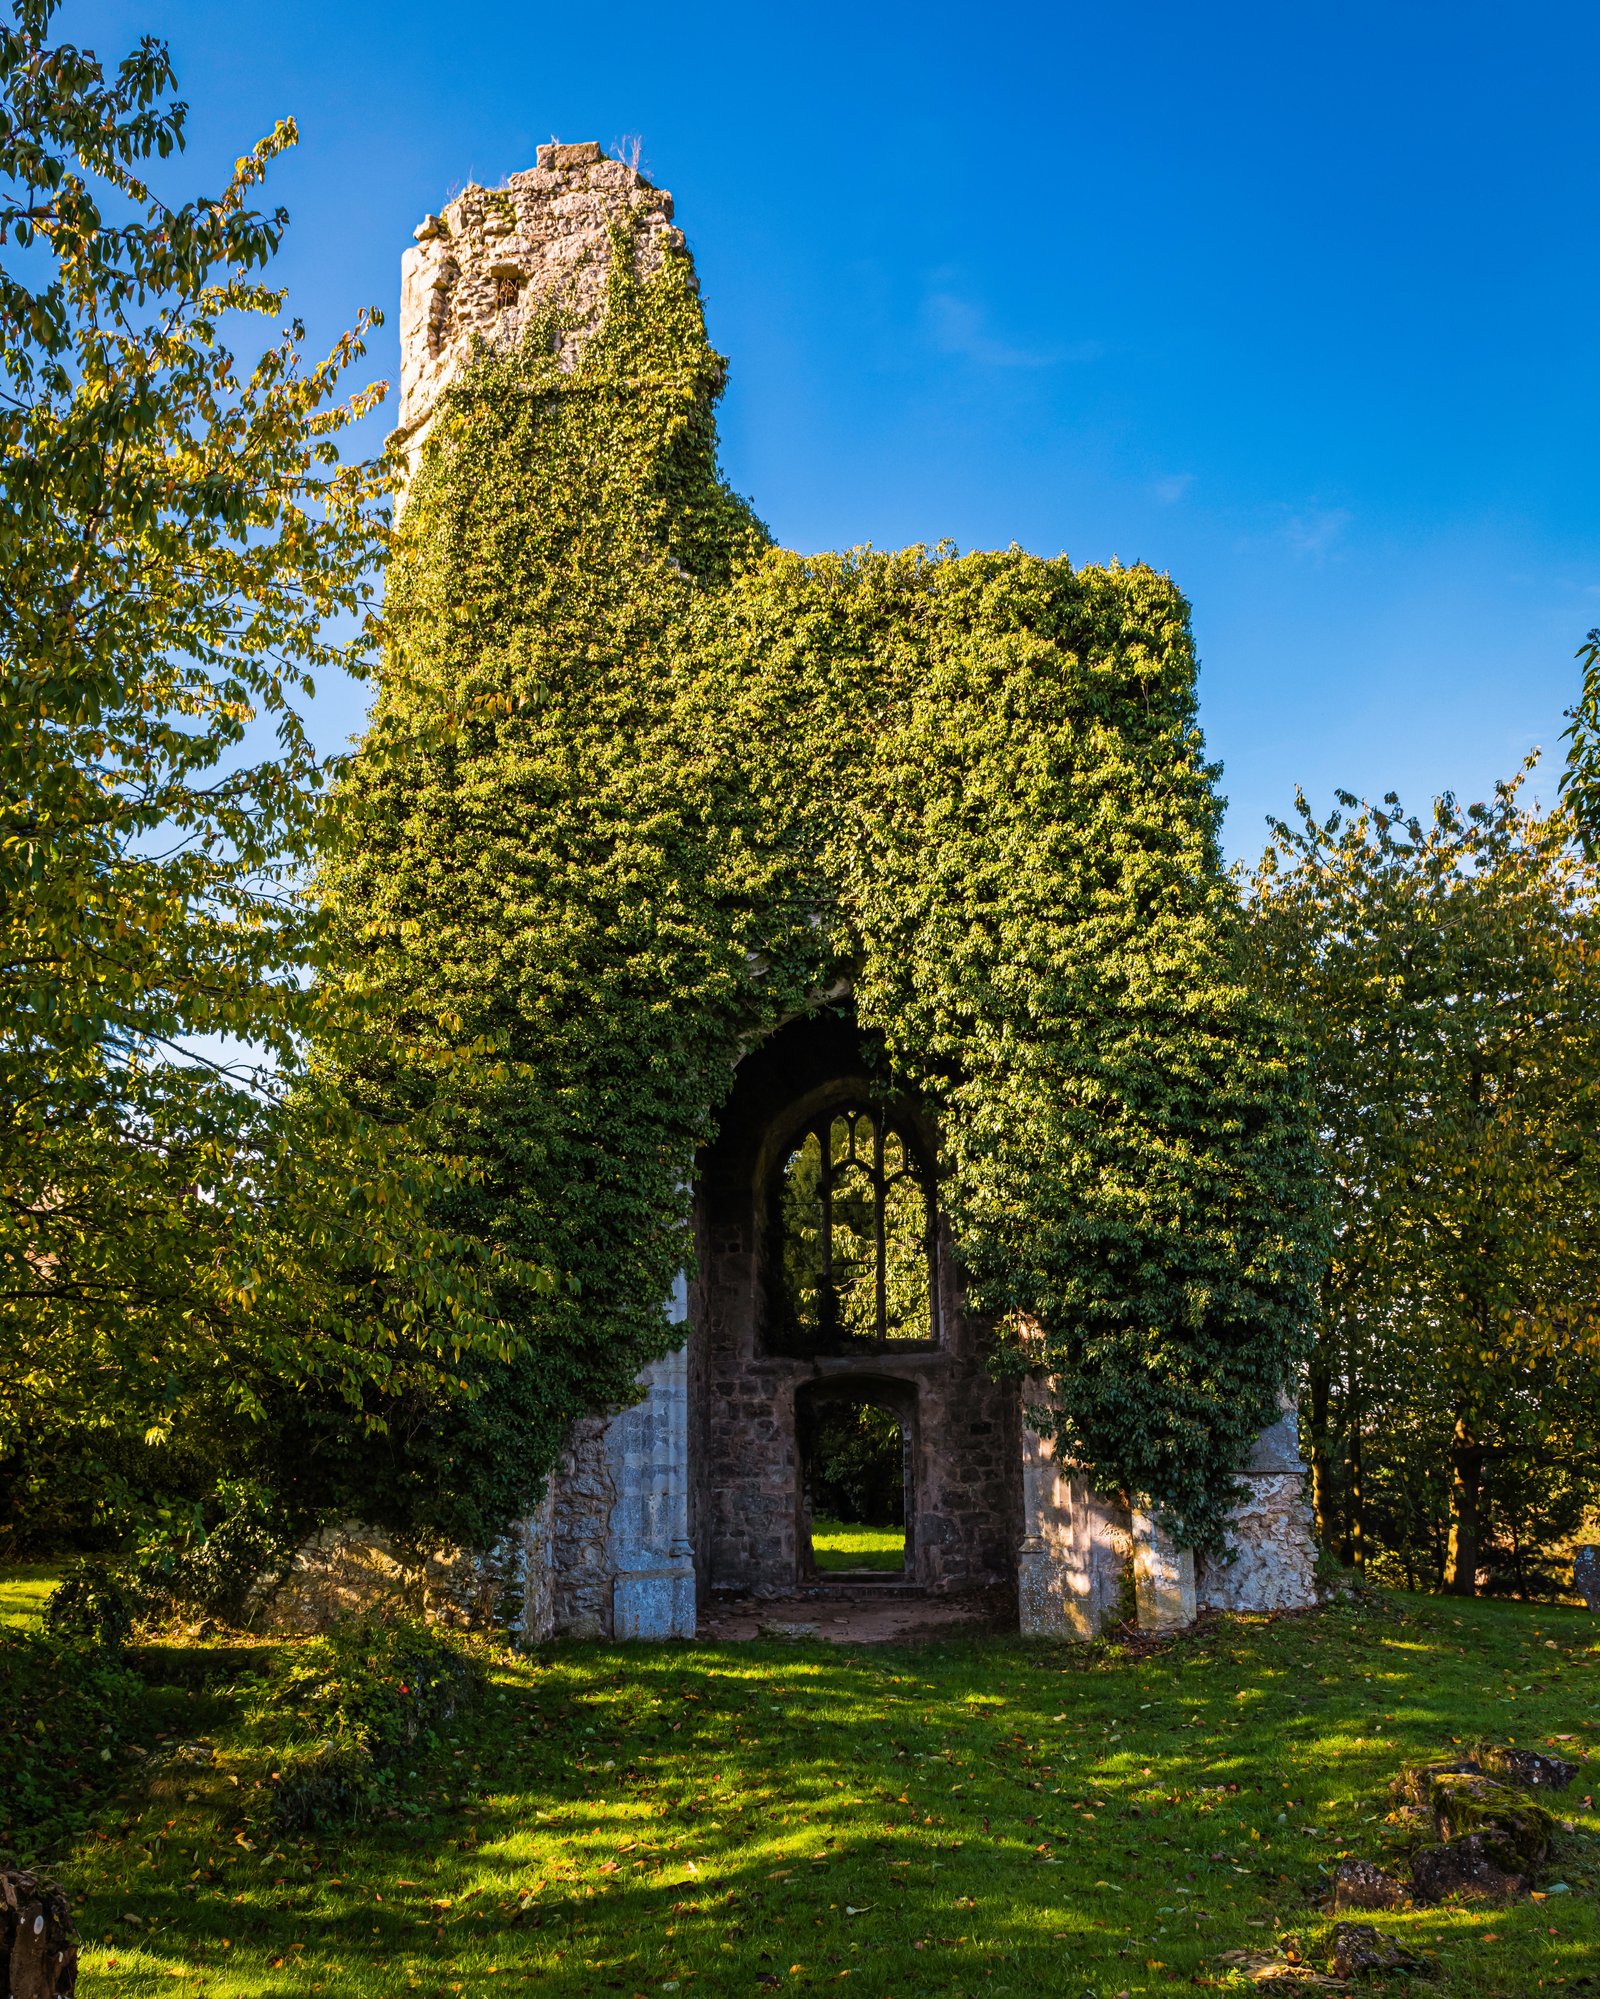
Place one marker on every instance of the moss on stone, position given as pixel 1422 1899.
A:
pixel 1515 1832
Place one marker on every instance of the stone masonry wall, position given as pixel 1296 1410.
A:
pixel 965 1512
pixel 482 267
pixel 1270 1538
pixel 480 270
pixel 585 1493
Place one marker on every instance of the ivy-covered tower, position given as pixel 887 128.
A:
pixel 839 985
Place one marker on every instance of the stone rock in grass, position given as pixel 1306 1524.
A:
pixel 1269 1972
pixel 1359 1950
pixel 1514 1831
pixel 1361 1885
pixel 1527 1767
pixel 1464 1867
pixel 1414 1785
pixel 38 1945
pixel 1586 1576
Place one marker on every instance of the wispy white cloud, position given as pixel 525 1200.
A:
pixel 956 325
pixel 1170 489
pixel 1315 532
pixel 1310 531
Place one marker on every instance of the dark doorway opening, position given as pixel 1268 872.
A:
pixel 855 1452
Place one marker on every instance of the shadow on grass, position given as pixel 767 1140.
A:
pixel 958 1818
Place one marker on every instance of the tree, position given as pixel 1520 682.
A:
pixel 188 1215
pixel 1447 976
pixel 1580 783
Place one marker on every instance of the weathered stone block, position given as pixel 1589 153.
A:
pixel 655 1606
pixel 1414 1785
pixel 1075 1552
pixel 1361 1885
pixel 1527 1767
pixel 1163 1578
pixel 1463 1867
pixel 1360 1951
pixel 557 158
pixel 1514 1832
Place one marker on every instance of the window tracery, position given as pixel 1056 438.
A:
pixel 854 1226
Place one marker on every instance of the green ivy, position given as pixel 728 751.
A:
pixel 639 786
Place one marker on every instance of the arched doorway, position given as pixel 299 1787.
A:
pixel 826 1280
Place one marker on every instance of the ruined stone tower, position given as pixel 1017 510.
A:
pixel 701 1485
pixel 492 255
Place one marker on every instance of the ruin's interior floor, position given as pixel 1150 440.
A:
pixel 851 1613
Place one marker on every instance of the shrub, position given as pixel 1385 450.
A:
pixel 214 1569
pixel 368 1692
pixel 67 1708
pixel 96 1606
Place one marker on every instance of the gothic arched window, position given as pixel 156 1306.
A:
pixel 854 1229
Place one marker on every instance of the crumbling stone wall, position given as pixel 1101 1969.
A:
pixel 353 1567
pixel 1270 1540
pixel 585 1493
pixel 493 257
pixel 481 270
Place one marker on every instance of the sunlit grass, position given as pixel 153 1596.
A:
pixel 23 1590
pixel 988 1817
pixel 837 1545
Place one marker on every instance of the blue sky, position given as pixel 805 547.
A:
pixel 1297 302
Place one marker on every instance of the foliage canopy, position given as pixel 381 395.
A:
pixel 639 786
pixel 1447 975
pixel 1580 781
pixel 188 1219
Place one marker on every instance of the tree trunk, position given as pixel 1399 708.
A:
pixel 1358 1501
pixel 1321 1479
pixel 1466 1510
pixel 38 1946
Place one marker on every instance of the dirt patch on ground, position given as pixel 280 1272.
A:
pixel 858 1615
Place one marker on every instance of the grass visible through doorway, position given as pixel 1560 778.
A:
pixel 837 1545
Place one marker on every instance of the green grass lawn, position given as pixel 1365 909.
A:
pixel 23 1590
pixel 839 1546
pixel 982 1818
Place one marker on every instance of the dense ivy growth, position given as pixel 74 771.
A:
pixel 639 785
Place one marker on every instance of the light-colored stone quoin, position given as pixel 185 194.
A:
pixel 701 1483
pixel 1163 1577
pixel 492 257
pixel 1076 1547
